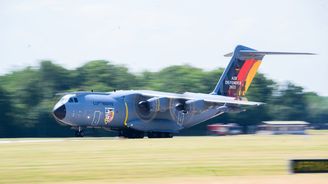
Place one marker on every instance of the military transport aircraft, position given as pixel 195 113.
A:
pixel 136 113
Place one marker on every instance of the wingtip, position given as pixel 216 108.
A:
pixel 228 55
pixel 261 103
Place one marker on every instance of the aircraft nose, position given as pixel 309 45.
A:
pixel 60 112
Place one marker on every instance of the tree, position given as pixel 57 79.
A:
pixel 53 78
pixel 101 75
pixel 289 103
pixel 5 113
pixel 177 79
pixel 317 108
pixel 28 96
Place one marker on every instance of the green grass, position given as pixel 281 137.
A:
pixel 119 160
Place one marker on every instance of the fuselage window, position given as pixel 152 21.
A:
pixel 70 100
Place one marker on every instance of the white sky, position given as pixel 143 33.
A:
pixel 150 35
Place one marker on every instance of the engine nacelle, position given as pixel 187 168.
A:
pixel 160 104
pixel 195 106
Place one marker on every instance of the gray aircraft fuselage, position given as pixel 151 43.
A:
pixel 88 109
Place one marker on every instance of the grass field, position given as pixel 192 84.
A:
pixel 230 159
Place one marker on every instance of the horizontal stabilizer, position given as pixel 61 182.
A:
pixel 254 53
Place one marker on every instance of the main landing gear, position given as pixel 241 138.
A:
pixel 131 134
pixel 134 134
pixel 159 135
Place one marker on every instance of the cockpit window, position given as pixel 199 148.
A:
pixel 73 100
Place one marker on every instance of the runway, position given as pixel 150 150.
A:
pixel 207 159
pixel 45 140
pixel 30 141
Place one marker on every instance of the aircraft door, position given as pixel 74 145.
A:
pixel 96 117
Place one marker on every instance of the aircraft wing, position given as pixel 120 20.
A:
pixel 199 96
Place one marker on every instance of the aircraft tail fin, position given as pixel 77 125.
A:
pixel 241 70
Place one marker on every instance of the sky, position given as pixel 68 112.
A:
pixel 153 34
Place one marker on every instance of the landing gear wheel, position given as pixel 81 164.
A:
pixel 169 135
pixel 159 135
pixel 131 134
pixel 79 132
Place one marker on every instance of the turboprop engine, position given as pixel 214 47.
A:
pixel 147 109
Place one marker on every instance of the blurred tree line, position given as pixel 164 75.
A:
pixel 28 96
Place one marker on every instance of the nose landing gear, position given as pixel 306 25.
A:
pixel 79 132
